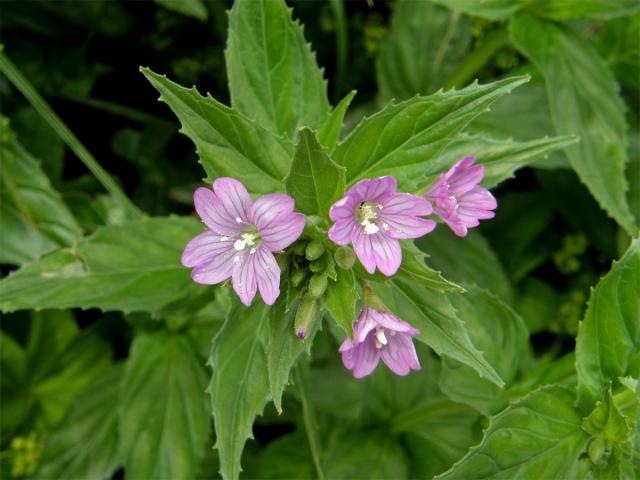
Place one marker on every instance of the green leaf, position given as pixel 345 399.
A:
pixel 437 433
pixel 342 298
pixel 284 458
pixel 424 45
pixel 566 9
pixel 85 358
pixel 239 386
pixel 163 419
pixel 491 9
pixel 560 371
pixel 539 436
pixel 404 138
pixel 33 217
pixel 607 419
pixel 414 269
pixel 228 143
pixel 441 328
pixel 584 101
pixel 191 8
pixel 364 455
pixel 314 181
pixel 273 76
pixel 608 342
pixel 501 158
pixel 284 347
pixel 329 132
pixel 86 443
pixel 501 335
pixel 469 259
pixel 122 267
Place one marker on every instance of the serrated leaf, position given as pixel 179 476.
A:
pixel 414 269
pixel 314 181
pixel 424 45
pixel 441 328
pixel 239 386
pixel 33 217
pixel 584 101
pixel 329 132
pixel 273 76
pixel 539 436
pixel 404 138
pixel 85 445
pixel 469 259
pixel 607 419
pixel 341 300
pixel 501 335
pixel 228 142
pixel 190 8
pixel 162 414
pixel 608 342
pixel 490 9
pixel 501 158
pixel 134 266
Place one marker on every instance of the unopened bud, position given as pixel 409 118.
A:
pixel 299 248
pixel 317 285
pixel 305 316
pixel 297 277
pixel 314 250
pixel 597 449
pixel 344 257
pixel 318 265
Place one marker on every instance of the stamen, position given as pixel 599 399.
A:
pixel 239 220
pixel 224 239
pixel 380 338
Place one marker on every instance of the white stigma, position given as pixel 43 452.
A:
pixel 370 228
pixel 246 239
pixel 369 214
pixel 380 338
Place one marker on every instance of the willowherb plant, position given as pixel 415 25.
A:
pixel 332 225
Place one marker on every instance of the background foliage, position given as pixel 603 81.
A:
pixel 115 364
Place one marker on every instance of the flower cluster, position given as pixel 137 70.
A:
pixel 243 234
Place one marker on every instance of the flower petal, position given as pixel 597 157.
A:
pixel 210 210
pixel 244 278
pixel 406 204
pixel 217 270
pixel 362 359
pixel 400 354
pixel 203 247
pixel 234 198
pixel 282 231
pixel 343 209
pixel 340 232
pixel 267 208
pixel 463 176
pixel 365 324
pixel 374 189
pixel 391 322
pixel 387 253
pixel 364 249
pixel 267 274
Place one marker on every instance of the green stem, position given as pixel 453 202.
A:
pixel 342 45
pixel 24 86
pixel 310 423
pixel 476 60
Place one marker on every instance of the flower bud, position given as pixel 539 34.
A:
pixel 299 247
pixel 305 316
pixel 317 285
pixel 314 250
pixel 597 449
pixel 318 265
pixel 297 277
pixel 344 257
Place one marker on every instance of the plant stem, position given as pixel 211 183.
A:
pixel 24 86
pixel 477 59
pixel 310 423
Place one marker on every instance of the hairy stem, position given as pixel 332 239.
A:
pixel 310 423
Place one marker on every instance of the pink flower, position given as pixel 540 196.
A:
pixel 373 217
pixel 458 198
pixel 380 335
pixel 241 239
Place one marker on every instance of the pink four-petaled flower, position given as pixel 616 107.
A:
pixel 458 198
pixel 242 236
pixel 372 216
pixel 380 335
